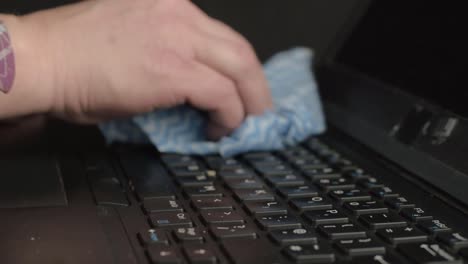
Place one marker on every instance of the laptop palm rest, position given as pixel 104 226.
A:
pixel 32 180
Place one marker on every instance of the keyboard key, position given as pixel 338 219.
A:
pixel 212 203
pixel 250 183
pixel 369 183
pixel 383 192
pixel 427 253
pixel 196 180
pixel 221 217
pixel 366 207
pixel 330 216
pixel 268 170
pixel 233 232
pixel 399 203
pixel 415 214
pixel 283 221
pixel 335 184
pixel 237 173
pixel 188 171
pixel 315 174
pixel 376 259
pixel 260 194
pixel 342 231
pixel 298 191
pixel 164 254
pixel 294 236
pixel 349 195
pixel 258 251
pixel 162 205
pixel 189 234
pixel 360 247
pixel 463 253
pixel 453 240
pixel 317 253
pixel 286 180
pixel 399 235
pixel 176 160
pixel 203 191
pixel 434 226
pixel 153 236
pixel 218 163
pixel 170 219
pixel 312 203
pixel 385 220
pixel 265 208
pixel 294 152
pixel 200 254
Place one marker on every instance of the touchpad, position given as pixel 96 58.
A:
pixel 32 180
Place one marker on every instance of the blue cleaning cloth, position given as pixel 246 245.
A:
pixel 297 114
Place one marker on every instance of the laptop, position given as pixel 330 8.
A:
pixel 385 184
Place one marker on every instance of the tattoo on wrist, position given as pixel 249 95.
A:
pixel 7 60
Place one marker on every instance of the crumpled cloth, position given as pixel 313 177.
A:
pixel 297 114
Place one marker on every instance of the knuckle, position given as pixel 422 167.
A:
pixel 245 54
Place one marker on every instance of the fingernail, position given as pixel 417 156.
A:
pixel 7 61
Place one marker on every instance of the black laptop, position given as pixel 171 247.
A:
pixel 387 183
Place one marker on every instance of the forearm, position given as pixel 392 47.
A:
pixel 29 92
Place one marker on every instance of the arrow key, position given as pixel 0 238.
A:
pixel 427 253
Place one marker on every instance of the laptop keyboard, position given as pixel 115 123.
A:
pixel 306 204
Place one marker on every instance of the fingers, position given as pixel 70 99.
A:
pixel 223 50
pixel 206 89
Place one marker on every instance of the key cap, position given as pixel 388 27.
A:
pixel 258 251
pixel 301 191
pixel 260 194
pixel 175 160
pixel 200 254
pixel 212 203
pixel 399 235
pixel 398 203
pixel 198 180
pixel 317 253
pixel 360 247
pixel 162 205
pixel 217 162
pixel 237 173
pixel 321 173
pixel 330 216
pixel 292 152
pixel 415 214
pixel 335 184
pixel 349 195
pixel 286 180
pixel 427 253
pixel 164 254
pixel 203 191
pixel 312 203
pixel 251 183
pixel 260 157
pixel 296 236
pixel 265 208
pixel 376 259
pixel 342 231
pixel 170 219
pixel 434 226
pixel 189 234
pixel 224 232
pixel 385 220
pixel 153 236
pixel 188 171
pixel 366 207
pixel 221 217
pixel 455 241
pixel 369 183
pixel 267 170
pixel 282 221
pixel 383 192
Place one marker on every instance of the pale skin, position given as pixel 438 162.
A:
pixel 103 59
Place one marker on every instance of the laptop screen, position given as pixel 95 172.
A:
pixel 419 46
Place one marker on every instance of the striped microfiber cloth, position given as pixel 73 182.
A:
pixel 297 114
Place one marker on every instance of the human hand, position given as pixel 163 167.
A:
pixel 116 58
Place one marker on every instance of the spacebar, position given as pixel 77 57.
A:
pixel 146 173
pixel 259 251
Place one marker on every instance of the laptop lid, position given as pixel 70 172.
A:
pixel 397 85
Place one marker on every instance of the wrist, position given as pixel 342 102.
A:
pixel 31 90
